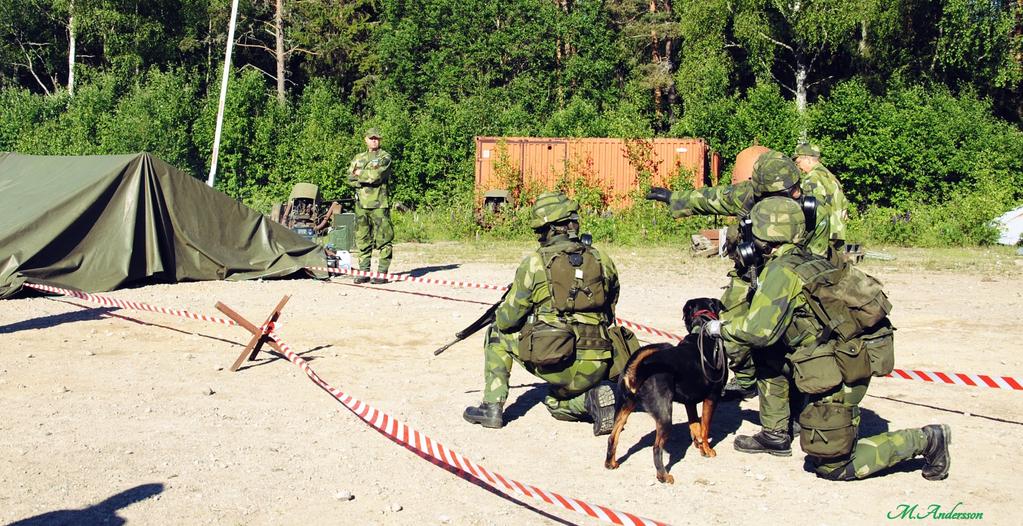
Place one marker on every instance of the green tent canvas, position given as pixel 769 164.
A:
pixel 97 223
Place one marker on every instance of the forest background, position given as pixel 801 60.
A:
pixel 917 105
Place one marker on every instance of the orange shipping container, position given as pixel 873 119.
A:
pixel 505 165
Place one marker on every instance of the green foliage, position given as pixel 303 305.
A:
pixel 154 115
pixel 915 144
pixel 906 98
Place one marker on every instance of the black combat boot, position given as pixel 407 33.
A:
pixel 734 391
pixel 378 281
pixel 600 404
pixel 936 457
pixel 487 414
pixel 359 280
pixel 776 443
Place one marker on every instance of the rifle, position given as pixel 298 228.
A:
pixel 486 319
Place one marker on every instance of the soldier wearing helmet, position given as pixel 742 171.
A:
pixel 773 173
pixel 554 321
pixel 793 343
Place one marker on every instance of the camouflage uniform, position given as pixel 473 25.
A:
pixel 373 227
pixel 819 181
pixel 530 299
pixel 779 313
pixel 738 200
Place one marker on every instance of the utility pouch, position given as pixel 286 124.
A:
pixel 853 360
pixel 879 346
pixel 625 343
pixel 541 344
pixel 827 430
pixel 815 368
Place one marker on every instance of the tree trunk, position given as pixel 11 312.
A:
pixel 655 60
pixel 669 70
pixel 71 49
pixel 863 46
pixel 279 48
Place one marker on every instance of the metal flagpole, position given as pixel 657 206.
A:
pixel 223 93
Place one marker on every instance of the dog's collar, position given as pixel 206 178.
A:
pixel 707 313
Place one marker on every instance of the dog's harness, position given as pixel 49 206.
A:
pixel 719 350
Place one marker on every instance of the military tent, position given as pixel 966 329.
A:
pixel 97 223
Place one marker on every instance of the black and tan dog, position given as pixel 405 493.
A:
pixel 659 374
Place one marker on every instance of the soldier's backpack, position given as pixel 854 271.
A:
pixel 576 279
pixel 846 300
pixel 853 311
pixel 576 283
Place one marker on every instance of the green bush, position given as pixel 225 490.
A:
pixel 915 145
pixel 963 220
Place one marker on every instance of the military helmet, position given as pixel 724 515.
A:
pixel 774 172
pixel 807 150
pixel 778 219
pixel 552 207
pixel 372 133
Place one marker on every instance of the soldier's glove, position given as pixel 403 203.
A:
pixel 712 328
pixel 659 194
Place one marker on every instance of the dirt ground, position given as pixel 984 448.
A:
pixel 124 416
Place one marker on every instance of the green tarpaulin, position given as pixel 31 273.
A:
pixel 97 223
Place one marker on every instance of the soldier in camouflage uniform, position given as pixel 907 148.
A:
pixel 779 313
pixel 773 174
pixel 534 322
pixel 370 173
pixel 808 159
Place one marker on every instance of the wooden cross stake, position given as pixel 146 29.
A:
pixel 258 338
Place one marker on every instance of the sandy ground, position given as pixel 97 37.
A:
pixel 124 416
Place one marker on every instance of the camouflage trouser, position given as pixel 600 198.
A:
pixel 567 386
pixel 736 304
pixel 871 454
pixel 373 229
pixel 868 456
pixel 773 379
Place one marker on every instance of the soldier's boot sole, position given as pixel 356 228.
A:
pixel 600 404
pixel 940 456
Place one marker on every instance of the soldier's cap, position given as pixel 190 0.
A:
pixel 372 133
pixel 774 172
pixel 807 149
pixel 778 219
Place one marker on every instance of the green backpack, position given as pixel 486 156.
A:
pixel 846 300
pixel 576 279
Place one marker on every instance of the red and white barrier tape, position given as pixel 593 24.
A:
pixel 133 305
pixel 470 284
pixel 406 277
pixel 972 380
pixel 396 430
pixel 431 449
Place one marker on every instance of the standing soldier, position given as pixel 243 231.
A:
pixel 554 322
pixel 369 173
pixel 828 352
pixel 808 159
pixel 773 174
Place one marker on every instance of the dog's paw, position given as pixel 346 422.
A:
pixel 709 452
pixel 665 478
pixel 611 464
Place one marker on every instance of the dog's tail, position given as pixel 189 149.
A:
pixel 630 379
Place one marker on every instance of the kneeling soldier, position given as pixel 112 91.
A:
pixel 828 350
pixel 554 322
